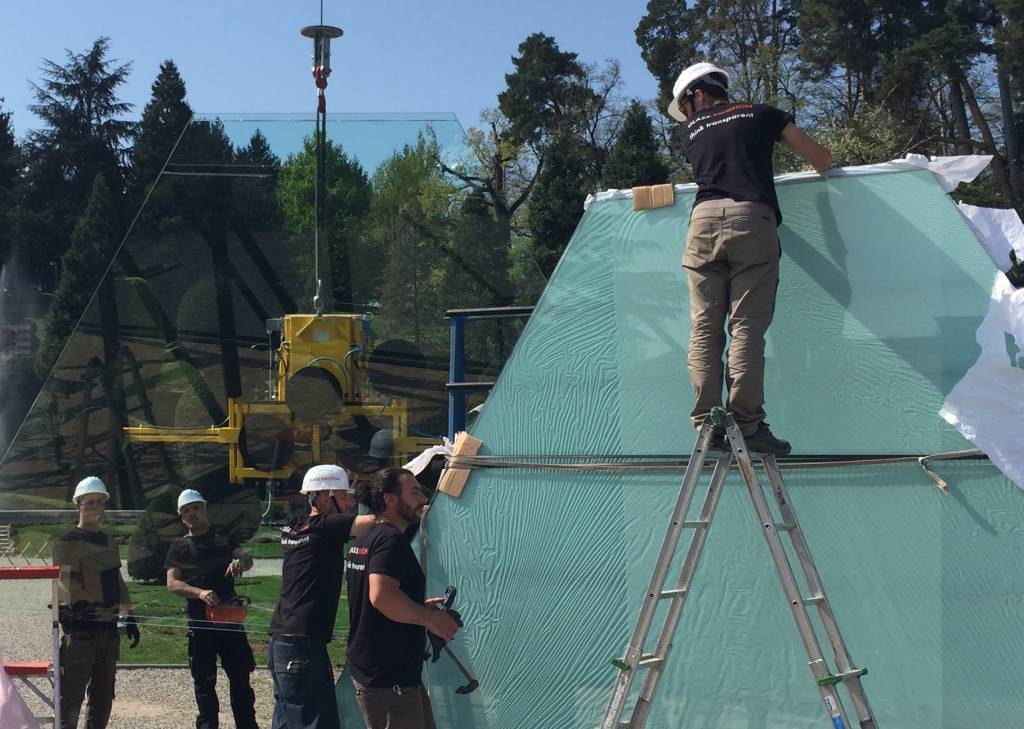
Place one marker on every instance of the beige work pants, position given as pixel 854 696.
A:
pixel 732 266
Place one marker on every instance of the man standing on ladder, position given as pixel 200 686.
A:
pixel 732 246
pixel 92 596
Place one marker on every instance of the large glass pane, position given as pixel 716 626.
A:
pixel 201 360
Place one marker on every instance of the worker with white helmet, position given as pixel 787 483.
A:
pixel 202 567
pixel 732 245
pixel 303 621
pixel 93 599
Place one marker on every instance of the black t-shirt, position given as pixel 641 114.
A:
pixel 730 149
pixel 203 562
pixel 311 575
pixel 382 652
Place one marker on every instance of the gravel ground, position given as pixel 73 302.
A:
pixel 161 698
pixel 146 698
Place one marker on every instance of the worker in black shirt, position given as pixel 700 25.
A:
pixel 389 615
pixel 202 568
pixel 732 245
pixel 92 595
pixel 303 621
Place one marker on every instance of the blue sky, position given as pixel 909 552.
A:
pixel 248 56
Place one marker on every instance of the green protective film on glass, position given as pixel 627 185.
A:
pixel 882 288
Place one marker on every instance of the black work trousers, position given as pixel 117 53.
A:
pixel 236 659
pixel 88 659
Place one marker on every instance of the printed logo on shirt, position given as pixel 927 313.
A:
pixel 360 551
pixel 290 538
pixel 730 114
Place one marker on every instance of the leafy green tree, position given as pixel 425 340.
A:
pixel 755 40
pixel 546 93
pixel 566 112
pixel 476 274
pixel 635 158
pixel 349 193
pixel 410 223
pixel 93 243
pixel 844 44
pixel 84 136
pixel 668 42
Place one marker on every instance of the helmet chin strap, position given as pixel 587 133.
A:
pixel 335 502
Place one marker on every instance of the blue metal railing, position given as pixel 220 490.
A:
pixel 457 386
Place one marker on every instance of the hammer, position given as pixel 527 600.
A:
pixel 473 683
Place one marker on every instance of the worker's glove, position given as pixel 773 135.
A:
pixel 436 642
pixel 130 626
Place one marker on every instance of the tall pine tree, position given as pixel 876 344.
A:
pixel 84 136
pixel 163 121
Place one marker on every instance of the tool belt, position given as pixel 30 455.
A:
pixel 84 617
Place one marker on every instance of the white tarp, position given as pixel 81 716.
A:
pixel 14 713
pixel 998 231
pixel 951 171
pixel 987 405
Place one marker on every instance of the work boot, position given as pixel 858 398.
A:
pixel 762 441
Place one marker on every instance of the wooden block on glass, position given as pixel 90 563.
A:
pixel 453 480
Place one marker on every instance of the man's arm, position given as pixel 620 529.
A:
pixel 386 595
pixel 362 525
pixel 182 589
pixel 800 144
pixel 125 607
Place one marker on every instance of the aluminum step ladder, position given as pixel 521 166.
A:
pixel 636 658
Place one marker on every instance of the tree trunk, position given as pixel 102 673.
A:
pixel 1012 134
pixel 960 123
pixel 217 240
pixel 998 161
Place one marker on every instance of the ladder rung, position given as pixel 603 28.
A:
pixel 838 678
pixel 668 594
pixel 649 660
pixel 785 527
pixel 813 600
pixel 699 524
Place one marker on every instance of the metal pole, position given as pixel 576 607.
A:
pixel 456 373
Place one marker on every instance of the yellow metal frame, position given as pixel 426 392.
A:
pixel 306 339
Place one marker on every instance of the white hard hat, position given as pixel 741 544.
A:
pixel 325 477
pixel 692 74
pixel 90 485
pixel 189 496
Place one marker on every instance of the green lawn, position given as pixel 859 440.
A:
pixel 265 545
pixel 163 643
